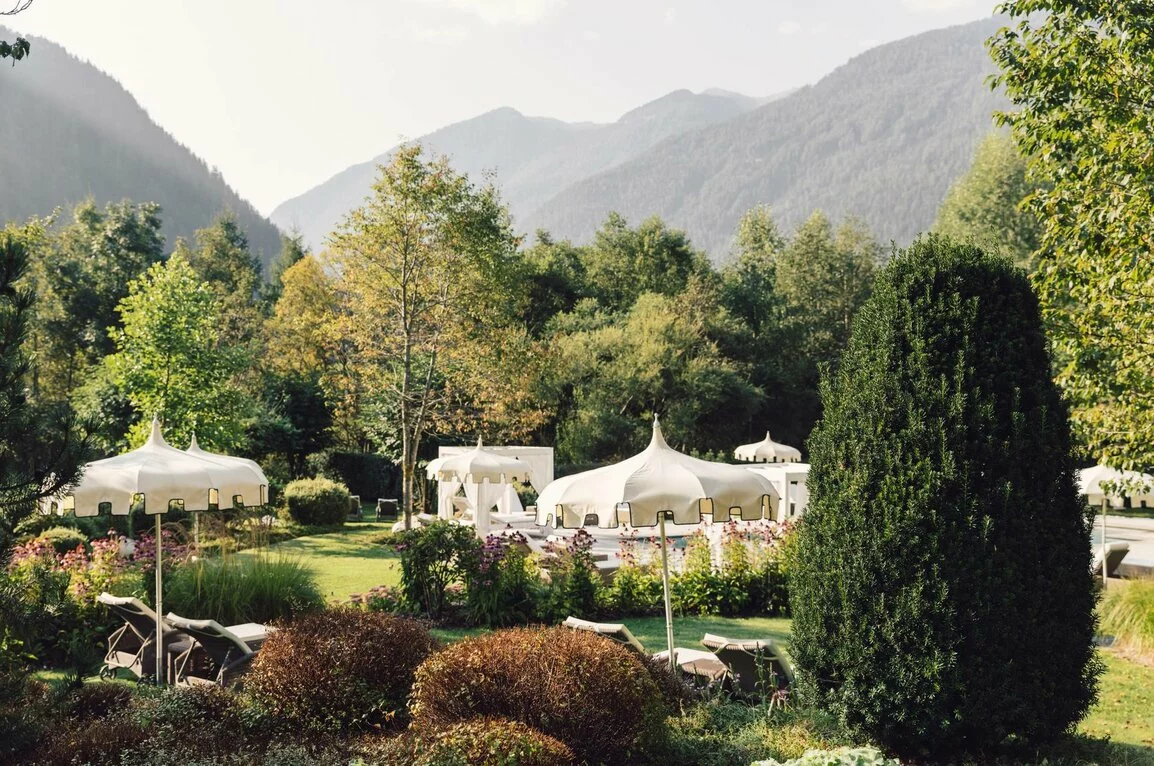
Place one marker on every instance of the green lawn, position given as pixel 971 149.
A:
pixel 345 562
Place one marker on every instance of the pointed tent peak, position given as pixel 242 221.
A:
pixel 767 437
pixel 658 439
pixel 193 446
pixel 480 444
pixel 155 437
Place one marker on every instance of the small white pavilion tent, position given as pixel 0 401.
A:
pixel 767 451
pixel 656 484
pixel 486 477
pixel 161 477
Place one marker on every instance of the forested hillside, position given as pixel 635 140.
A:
pixel 532 157
pixel 882 137
pixel 69 131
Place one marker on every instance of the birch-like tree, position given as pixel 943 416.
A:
pixel 422 274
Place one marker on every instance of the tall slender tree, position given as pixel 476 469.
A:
pixel 423 267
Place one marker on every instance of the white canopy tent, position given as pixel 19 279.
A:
pixel 656 484
pixel 229 461
pixel 767 451
pixel 485 476
pixel 159 477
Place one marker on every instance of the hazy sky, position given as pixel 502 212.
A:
pixel 281 94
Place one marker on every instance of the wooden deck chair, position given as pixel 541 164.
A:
pixel 702 666
pixel 1115 552
pixel 217 655
pixel 755 667
pixel 132 645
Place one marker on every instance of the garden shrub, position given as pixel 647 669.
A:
pixel 721 732
pixel 96 700
pixel 941 590
pixel 242 588
pixel 64 539
pixel 432 559
pixel 842 756
pixel 339 669
pixel 476 742
pixel 584 690
pixel 575 584
pixel 316 501
pixel 634 591
pixel 503 583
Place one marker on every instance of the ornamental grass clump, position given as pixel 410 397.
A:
pixel 940 587
pixel 1127 612
pixel 339 669
pixel 584 690
pixel 242 588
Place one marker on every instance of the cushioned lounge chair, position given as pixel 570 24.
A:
pixel 1115 552
pixel 754 667
pixel 132 646
pixel 218 655
pixel 703 666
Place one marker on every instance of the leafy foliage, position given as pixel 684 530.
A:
pixel 986 206
pixel 1081 79
pixel 476 742
pixel 589 693
pixel 171 363
pixel 339 669
pixel 942 518
pixel 432 559
pixel 40 451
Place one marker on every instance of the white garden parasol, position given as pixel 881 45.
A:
pixel 160 477
pixel 1105 487
pixel 767 451
pixel 243 465
pixel 656 484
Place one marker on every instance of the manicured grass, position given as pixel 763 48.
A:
pixel 345 562
pixel 1125 709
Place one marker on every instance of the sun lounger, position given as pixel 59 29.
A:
pixel 1115 552
pixel 218 655
pixel 702 665
pixel 132 646
pixel 755 667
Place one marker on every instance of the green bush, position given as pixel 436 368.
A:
pixel 941 590
pixel 1127 612
pixel 582 689
pixel 242 588
pixel 842 756
pixel 477 742
pixel 339 669
pixel 432 559
pixel 574 582
pixel 316 501
pixel 64 539
pixel 634 591
pixel 502 586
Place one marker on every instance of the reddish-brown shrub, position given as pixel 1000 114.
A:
pixel 96 700
pixel 588 692
pixel 94 742
pixel 339 668
pixel 478 742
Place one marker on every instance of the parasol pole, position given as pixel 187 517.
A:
pixel 1105 572
pixel 665 584
pixel 159 609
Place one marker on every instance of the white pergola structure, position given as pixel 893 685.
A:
pixel 657 484
pixel 486 474
pixel 789 479
pixel 767 451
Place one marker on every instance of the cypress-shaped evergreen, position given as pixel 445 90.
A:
pixel 942 594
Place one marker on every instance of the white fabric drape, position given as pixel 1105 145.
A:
pixel 446 490
pixel 483 497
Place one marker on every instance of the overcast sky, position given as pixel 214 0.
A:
pixel 281 94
